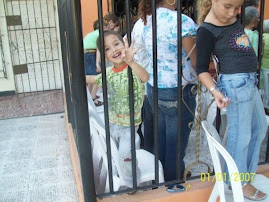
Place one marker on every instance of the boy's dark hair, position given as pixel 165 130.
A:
pixel 111 16
pixel 96 25
pixel 106 33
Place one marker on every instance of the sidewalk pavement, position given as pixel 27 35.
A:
pixel 35 163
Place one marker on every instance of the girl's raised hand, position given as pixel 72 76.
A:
pixel 127 54
pixel 220 99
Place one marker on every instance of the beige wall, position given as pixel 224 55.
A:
pixel 89 12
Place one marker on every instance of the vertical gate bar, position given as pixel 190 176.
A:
pixel 103 69
pixel 62 25
pixel 155 90
pixel 15 31
pixel 131 96
pixel 42 29
pixel 82 129
pixel 267 150
pixel 31 42
pixel 179 84
pixel 38 48
pixel 260 37
pixel 26 59
pixel 51 42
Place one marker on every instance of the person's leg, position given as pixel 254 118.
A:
pixel 148 126
pixel 239 117
pixel 258 132
pixel 90 69
pixel 189 103
pixel 161 127
pixel 93 92
pixel 125 155
pixel 168 106
pixel 241 89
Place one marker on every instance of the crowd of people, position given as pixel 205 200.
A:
pixel 218 32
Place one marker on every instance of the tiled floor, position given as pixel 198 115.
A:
pixel 23 105
pixel 35 162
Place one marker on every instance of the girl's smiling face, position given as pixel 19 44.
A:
pixel 113 50
pixel 226 10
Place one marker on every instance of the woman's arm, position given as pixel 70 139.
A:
pixel 188 43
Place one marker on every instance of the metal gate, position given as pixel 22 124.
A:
pixel 2 59
pixel 33 40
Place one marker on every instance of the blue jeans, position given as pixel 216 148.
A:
pixel 90 63
pixel 148 125
pixel 168 126
pixel 245 118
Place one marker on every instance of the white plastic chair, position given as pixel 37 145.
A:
pixel 215 149
pixel 145 160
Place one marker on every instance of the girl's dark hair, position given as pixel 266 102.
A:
pixel 144 9
pixel 106 33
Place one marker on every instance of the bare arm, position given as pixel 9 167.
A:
pixel 220 99
pixel 188 43
pixel 91 79
pixel 98 59
pixel 128 55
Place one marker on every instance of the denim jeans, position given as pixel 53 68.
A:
pixel 246 120
pixel 122 138
pixel 148 126
pixel 168 126
pixel 90 63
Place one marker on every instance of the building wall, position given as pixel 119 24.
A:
pixel 89 12
pixel 266 9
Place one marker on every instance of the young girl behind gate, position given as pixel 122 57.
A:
pixel 222 34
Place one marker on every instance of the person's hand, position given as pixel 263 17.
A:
pixel 127 54
pixel 220 99
pixel 98 68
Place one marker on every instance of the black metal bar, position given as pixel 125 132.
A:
pixel 80 100
pixel 267 150
pixel 155 90
pixel 103 68
pixel 131 96
pixel 146 187
pixel 62 25
pixel 260 37
pixel 218 120
pixel 179 84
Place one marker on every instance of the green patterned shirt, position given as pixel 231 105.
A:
pixel 118 95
